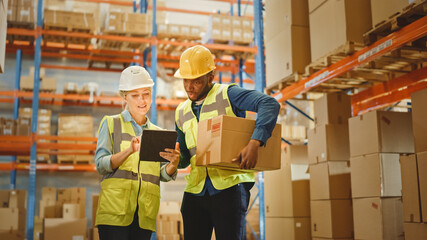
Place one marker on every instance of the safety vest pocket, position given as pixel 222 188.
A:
pixel 114 200
pixel 152 202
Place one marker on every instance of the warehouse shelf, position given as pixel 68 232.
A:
pixel 394 41
pixel 80 100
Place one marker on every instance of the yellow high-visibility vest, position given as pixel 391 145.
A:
pixel 216 103
pixel 134 182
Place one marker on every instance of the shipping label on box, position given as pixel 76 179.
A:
pixel 410 188
pixel 377 131
pixel 330 180
pixel 220 140
pixel 378 218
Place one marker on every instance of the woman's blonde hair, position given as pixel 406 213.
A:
pixel 123 95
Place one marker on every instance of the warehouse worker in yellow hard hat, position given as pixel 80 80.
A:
pixel 130 189
pixel 215 198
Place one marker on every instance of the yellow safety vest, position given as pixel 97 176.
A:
pixel 134 182
pixel 216 103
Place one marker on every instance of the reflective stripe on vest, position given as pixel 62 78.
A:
pixel 124 174
pixel 215 103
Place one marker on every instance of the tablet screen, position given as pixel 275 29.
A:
pixel 155 141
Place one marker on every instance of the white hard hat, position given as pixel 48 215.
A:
pixel 135 77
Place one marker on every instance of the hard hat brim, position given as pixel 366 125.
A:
pixel 191 77
pixel 137 87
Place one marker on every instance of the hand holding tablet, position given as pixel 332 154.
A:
pixel 155 141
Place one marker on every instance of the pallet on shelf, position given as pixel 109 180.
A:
pixel 411 13
pixel 289 80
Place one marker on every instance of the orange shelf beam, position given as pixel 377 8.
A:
pixel 391 42
pixel 389 92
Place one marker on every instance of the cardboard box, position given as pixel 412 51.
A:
pixel 376 175
pixel 419 115
pixel 11 13
pixel 95 198
pixel 377 131
pixel 287 52
pixel 314 4
pixel 9 219
pixel 95 234
pixel 247 24
pixel 220 140
pixel 71 211
pixel 287 228
pixel 422 179
pixel 12 235
pixel 185 30
pixel 347 20
pixel 38 228
pixel 195 31
pixel 415 231
pixel 284 13
pixel 330 180
pixel 168 227
pixel 18 199
pixel 328 143
pixel 4 198
pixel 383 9
pixel 378 218
pixel 168 237
pixel 50 209
pixel 66 229
pixel 332 108
pixel 332 218
pixel 136 18
pixel 410 188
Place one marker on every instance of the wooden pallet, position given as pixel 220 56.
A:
pixel 41 158
pixel 289 80
pixel 66 40
pixel 411 13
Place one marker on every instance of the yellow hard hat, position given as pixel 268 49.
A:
pixel 195 62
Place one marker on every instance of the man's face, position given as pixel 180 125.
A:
pixel 198 88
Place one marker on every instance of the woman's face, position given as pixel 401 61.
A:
pixel 138 101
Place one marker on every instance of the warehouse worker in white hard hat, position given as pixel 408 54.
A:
pixel 130 189
pixel 215 198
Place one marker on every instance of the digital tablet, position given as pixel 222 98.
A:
pixel 155 141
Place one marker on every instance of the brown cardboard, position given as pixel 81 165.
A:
pixel 50 209
pixel 287 228
pixel 66 229
pixel 346 20
pixel 220 140
pixel 376 175
pixel 288 52
pixel 95 198
pixel 71 211
pixel 284 13
pixel 167 227
pixel 328 143
pixel 332 219
pixel 415 231
pixel 378 218
pixel 12 235
pixel 333 108
pixel 314 4
pixel 9 219
pixel 4 198
pixel 95 234
pixel 377 131
pixel 38 228
pixel 419 115
pixel 330 180
pixel 49 193
pixel 25 14
pixel 168 237
pixel 410 188
pixel 422 179
pixel 383 9
pixel 18 199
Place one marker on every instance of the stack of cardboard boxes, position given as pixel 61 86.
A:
pixel 383 9
pixel 287 197
pixel 43 128
pixel 46 84
pixel 62 212
pixel 376 140
pixel 71 20
pixel 187 32
pixel 328 153
pixel 13 205
pixel 4 17
pixel 335 22
pixel 72 125
pixel 93 232
pixel 169 221
pixel 132 23
pixel 229 28
pixel 287 39
pixel 414 173
pixel 7 126
pixel 22 12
